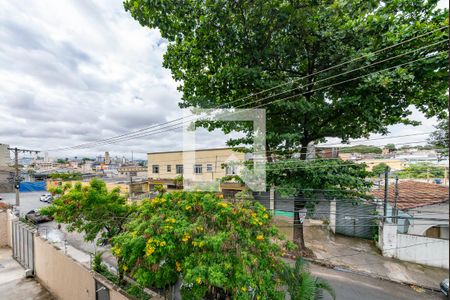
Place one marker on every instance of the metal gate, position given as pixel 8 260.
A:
pixel 355 219
pixel 23 245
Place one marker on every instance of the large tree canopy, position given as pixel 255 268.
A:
pixel 224 50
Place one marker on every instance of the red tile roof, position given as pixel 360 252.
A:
pixel 412 194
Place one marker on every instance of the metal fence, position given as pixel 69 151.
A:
pixel 23 244
pixel 355 219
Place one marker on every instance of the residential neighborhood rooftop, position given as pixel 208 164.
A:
pixel 413 194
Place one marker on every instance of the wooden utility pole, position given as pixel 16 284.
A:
pixel 17 179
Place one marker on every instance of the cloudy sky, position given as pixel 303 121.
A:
pixel 75 71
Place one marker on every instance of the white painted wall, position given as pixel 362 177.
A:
pixel 423 250
pixel 413 248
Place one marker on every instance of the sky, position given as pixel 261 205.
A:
pixel 75 71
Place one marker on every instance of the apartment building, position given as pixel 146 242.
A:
pixel 196 167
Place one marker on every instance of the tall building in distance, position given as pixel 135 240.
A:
pixel 107 158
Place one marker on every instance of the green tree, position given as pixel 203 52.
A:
pixel 91 210
pixel 315 180
pixel 439 139
pixel 422 171
pixel 362 149
pixel 221 51
pixel 60 161
pixel 379 169
pixel 390 147
pixel 212 246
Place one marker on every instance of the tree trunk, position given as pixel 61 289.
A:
pixel 299 239
pixel 298 227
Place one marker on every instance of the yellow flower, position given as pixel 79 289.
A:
pixel 171 220
pixel 149 250
pixel 201 244
pixel 178 266
pixel 260 237
pixel 243 289
pixel 198 280
pixel 125 268
pixel 221 196
pixel 188 207
pixel 260 223
pixel 253 215
pixel 264 209
pixel 194 244
pixel 222 204
pixel 186 238
pixel 199 228
pixel 162 243
pixel 265 216
pixel 116 251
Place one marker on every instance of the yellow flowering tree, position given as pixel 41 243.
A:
pixel 212 247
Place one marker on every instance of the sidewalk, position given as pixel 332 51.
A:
pixel 362 256
pixel 14 285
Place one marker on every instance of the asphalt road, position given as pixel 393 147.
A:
pixel 28 200
pixel 348 286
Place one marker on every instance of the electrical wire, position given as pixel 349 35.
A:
pixel 153 126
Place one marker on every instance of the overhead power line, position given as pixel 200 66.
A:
pixel 96 143
pixel 181 125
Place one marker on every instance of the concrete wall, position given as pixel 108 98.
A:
pixel 66 278
pixel 423 250
pixel 413 248
pixel 3 228
pixel 62 276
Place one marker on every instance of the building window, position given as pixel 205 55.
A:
pixel 231 170
pixel 197 169
pixel 179 169
pixel 155 169
pixel 209 168
pixel 169 168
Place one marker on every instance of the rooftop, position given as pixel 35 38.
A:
pixel 413 194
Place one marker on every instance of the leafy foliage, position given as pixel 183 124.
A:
pixel 362 149
pixel 213 246
pixel 312 180
pixel 379 169
pixel 422 171
pixel 439 138
pixel 66 176
pixel 224 50
pixel 92 210
pixel 301 285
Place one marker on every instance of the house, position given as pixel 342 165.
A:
pixel 422 208
pixel 132 170
pixel 195 168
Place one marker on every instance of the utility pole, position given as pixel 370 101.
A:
pixel 395 200
pixel 386 189
pixel 17 179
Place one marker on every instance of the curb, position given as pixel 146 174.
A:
pixel 366 274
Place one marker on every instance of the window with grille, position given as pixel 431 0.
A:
pixel 197 169
pixel 155 169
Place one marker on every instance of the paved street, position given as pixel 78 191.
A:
pixel 28 200
pixel 350 286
